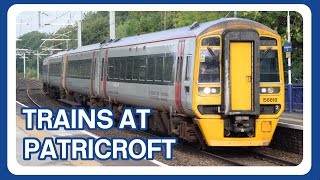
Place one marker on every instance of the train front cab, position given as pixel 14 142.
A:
pixel 238 92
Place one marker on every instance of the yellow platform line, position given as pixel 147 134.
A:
pixel 42 134
pixel 291 119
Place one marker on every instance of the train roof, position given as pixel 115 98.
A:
pixel 61 53
pixel 175 33
pixel 85 48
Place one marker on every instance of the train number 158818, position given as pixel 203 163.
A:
pixel 270 99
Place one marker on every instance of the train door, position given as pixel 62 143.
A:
pixel 186 82
pixel 100 71
pixel 105 72
pixel 240 76
pixel 64 72
pixel 179 91
pixel 241 72
pixel 94 74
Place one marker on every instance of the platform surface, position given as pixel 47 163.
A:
pixel 291 120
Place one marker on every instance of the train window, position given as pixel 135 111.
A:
pixel 267 41
pixel 210 41
pixel 129 68
pixel 168 67
pixel 135 73
pixel 79 69
pixel 151 69
pixel 111 68
pixel 142 69
pixel 122 68
pixel 187 74
pixel 269 69
pixel 117 68
pixel 82 68
pixel 209 71
pixel 85 68
pixel 45 69
pixel 55 69
pixel 159 69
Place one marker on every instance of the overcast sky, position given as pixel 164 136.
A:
pixel 29 21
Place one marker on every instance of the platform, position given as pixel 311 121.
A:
pixel 291 120
pixel 21 133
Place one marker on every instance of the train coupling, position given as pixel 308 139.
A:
pixel 239 126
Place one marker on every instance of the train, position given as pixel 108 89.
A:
pixel 218 83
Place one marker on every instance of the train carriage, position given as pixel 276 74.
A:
pixel 53 74
pixel 219 83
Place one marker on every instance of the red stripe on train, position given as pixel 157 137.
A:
pixel 178 83
pixel 178 97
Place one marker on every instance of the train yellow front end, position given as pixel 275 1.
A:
pixel 238 87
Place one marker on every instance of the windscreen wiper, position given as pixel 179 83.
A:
pixel 212 53
pixel 266 52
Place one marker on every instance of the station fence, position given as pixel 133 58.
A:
pixel 297 98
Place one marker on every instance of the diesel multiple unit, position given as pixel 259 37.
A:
pixel 218 83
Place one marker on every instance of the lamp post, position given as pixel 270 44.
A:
pixel 289 90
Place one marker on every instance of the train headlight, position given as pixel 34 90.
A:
pixel 209 90
pixel 269 90
pixel 206 90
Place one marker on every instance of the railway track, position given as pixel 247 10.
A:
pixel 32 100
pixel 250 153
pixel 229 161
pixel 30 92
pixel 276 160
pixel 23 93
pixel 228 158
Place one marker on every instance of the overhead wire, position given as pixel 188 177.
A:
pixel 24 46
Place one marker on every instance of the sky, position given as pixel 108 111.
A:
pixel 29 21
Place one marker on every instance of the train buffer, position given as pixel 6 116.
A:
pixel 70 103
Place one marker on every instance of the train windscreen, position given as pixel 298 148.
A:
pixel 269 66
pixel 209 71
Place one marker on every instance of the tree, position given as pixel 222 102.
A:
pixel 95 27
pixel 29 41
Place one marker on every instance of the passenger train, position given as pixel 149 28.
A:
pixel 218 83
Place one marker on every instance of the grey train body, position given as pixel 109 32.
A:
pixel 158 94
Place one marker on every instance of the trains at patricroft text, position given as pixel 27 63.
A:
pixel 218 83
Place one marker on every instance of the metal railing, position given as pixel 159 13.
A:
pixel 297 98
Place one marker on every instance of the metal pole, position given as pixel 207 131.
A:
pixel 289 67
pixel 112 24
pixel 37 65
pixel 79 34
pixel 39 18
pixel 24 65
pixel 165 20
